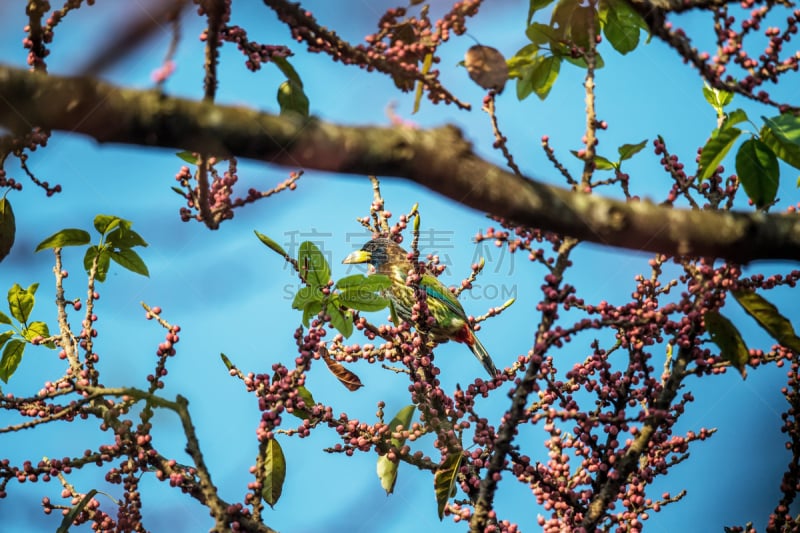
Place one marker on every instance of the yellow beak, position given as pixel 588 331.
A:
pixel 359 256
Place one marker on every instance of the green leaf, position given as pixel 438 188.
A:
pixel 188 157
pixel 103 255
pixel 600 162
pixel 123 237
pixel 304 412
pixel 37 329
pixel 716 149
pixel 734 117
pixel 65 237
pixel 130 260
pixel 20 301
pixel 626 151
pixel 539 34
pixel 561 17
pixel 4 318
pixel 769 318
pixel 731 345
pixel 444 480
pixel 387 469
pixel 8 227
pixel 362 300
pixel 782 135
pixel 66 522
pixel 273 472
pixel 5 336
pixel 717 98
pixel 341 320
pixel 292 99
pixel 306 295
pixel 311 309
pixel 622 25
pixel 227 362
pixel 583 17
pixel 521 59
pixel 12 356
pixel 287 69
pixel 758 172
pixel 542 74
pixel 272 245
pixel 314 268
pixel 426 67
pixel 536 5
pixel 105 223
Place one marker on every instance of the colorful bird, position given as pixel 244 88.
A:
pixel 451 322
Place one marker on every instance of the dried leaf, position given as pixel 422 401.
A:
pixel 347 378
pixel 487 67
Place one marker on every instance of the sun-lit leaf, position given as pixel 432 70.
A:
pixel 758 171
pixel 37 329
pixel 65 237
pixel 346 377
pixel 782 135
pixel 717 98
pixel 12 356
pixel 130 260
pixel 517 63
pixel 5 336
pixel 445 479
pixel 66 522
pixel 292 99
pixel 188 157
pixel 728 339
pixel 21 301
pixel 768 317
pixel 8 227
pixel 426 66
pixel 4 318
pixel 626 151
pixel 387 469
pixel 716 149
pixel 274 473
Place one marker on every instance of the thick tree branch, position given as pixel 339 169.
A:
pixel 439 159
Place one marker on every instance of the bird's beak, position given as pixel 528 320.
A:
pixel 359 256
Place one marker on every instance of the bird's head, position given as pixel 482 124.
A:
pixel 378 252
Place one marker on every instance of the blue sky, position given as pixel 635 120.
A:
pixel 230 294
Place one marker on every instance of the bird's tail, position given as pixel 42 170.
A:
pixel 483 356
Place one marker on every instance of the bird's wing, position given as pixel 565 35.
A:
pixel 435 289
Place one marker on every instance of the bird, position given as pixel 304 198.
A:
pixel 450 320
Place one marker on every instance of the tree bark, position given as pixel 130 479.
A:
pixel 439 159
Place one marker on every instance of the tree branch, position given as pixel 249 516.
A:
pixel 439 159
